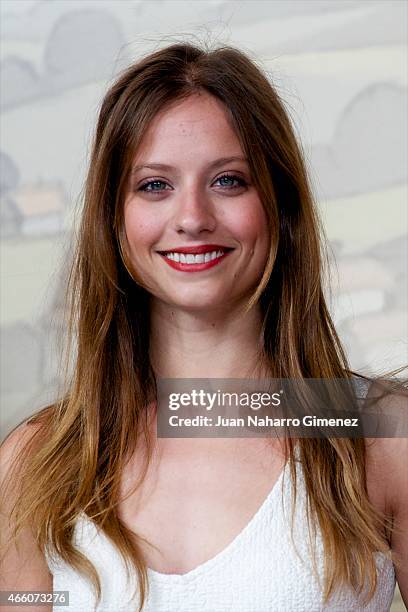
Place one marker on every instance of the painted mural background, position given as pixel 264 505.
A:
pixel 341 68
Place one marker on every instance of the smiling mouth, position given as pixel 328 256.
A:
pixel 195 262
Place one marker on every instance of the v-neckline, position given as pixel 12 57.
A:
pixel 230 548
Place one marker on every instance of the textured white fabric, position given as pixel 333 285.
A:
pixel 258 572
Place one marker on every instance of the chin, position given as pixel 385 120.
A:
pixel 197 304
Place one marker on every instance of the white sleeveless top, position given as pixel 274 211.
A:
pixel 259 571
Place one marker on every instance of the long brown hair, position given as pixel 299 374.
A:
pixel 83 440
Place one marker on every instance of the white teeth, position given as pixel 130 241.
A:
pixel 190 258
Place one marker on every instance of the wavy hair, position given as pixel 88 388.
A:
pixel 82 441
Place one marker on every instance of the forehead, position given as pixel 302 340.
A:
pixel 198 122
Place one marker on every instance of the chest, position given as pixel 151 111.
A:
pixel 193 503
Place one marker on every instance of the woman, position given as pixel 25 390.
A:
pixel 194 156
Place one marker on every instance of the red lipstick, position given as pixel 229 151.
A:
pixel 196 250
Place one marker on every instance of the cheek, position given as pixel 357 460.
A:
pixel 250 222
pixel 141 229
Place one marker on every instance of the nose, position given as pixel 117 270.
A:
pixel 195 213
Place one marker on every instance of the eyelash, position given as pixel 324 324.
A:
pixel 241 181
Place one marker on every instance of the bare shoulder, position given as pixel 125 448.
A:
pixel 387 474
pixel 26 435
pixel 14 444
pixel 387 457
pixel 17 439
pixel 13 450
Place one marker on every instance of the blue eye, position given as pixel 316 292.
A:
pixel 156 182
pixel 232 177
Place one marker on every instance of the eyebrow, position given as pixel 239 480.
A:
pixel 211 166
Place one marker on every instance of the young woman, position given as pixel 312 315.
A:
pixel 194 155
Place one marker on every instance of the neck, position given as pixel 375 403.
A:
pixel 212 344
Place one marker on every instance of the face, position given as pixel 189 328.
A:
pixel 195 226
